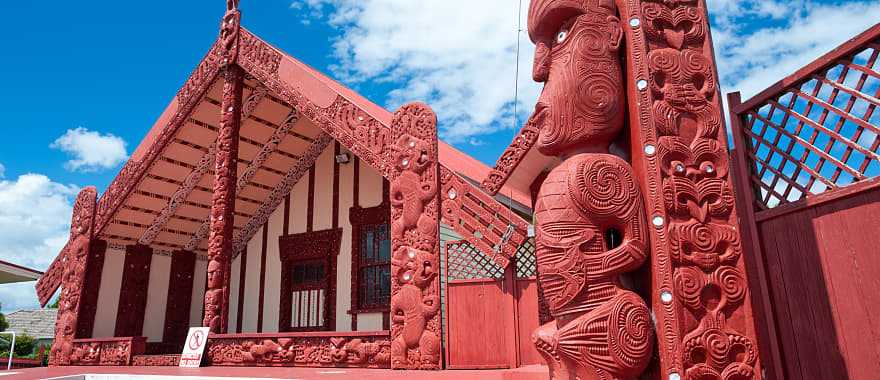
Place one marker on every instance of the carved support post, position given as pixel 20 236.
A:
pixel 700 289
pixel 415 245
pixel 220 241
pixel 75 264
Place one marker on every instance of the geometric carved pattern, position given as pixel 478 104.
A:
pixel 819 130
pixel 89 300
pixel 180 284
pixel 355 350
pixel 705 325
pixel 466 262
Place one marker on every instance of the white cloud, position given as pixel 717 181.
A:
pixel 457 55
pixel 91 150
pixel 460 55
pixel 754 55
pixel 34 223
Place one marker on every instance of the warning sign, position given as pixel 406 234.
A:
pixel 194 347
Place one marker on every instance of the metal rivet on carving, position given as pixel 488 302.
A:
pixel 666 297
pixel 360 118
pixel 674 376
pixel 229 109
pixel 452 194
pixel 635 22
pixel 406 277
pixel 642 84
pixel 405 162
pixel 658 221
pixel 412 144
pixel 650 149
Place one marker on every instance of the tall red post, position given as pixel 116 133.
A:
pixel 220 240
pixel 415 244
pixel 700 291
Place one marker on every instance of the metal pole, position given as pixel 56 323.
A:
pixel 11 348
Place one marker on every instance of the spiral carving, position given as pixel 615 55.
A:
pixel 732 283
pixel 630 331
pixel 689 284
pixel 603 186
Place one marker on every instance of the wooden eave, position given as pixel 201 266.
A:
pixel 162 196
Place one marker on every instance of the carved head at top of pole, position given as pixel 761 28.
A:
pixel 577 58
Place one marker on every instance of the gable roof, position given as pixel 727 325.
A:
pixel 39 323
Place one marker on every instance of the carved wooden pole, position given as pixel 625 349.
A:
pixel 223 202
pixel 700 292
pixel 75 263
pixel 415 244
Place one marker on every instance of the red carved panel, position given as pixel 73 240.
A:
pixel 220 240
pixel 106 351
pixel 511 158
pixel 89 306
pixel 354 350
pixel 315 245
pixel 172 360
pixel 133 295
pixel 177 308
pixel 415 224
pixel 75 264
pixel 700 290
pixel 479 218
pixel 589 217
pixel 50 281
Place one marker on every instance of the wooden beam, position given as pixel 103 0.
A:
pixel 192 180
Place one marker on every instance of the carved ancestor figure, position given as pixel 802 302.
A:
pixel 590 219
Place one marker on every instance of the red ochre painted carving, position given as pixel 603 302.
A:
pixel 74 264
pixel 106 352
pixel 132 306
pixel 220 240
pixel 700 289
pixel 300 350
pixel 172 360
pixel 415 223
pixel 590 220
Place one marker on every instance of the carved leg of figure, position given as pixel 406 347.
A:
pixel 429 348
pixel 544 339
pixel 613 341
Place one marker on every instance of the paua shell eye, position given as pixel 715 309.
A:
pixel 563 34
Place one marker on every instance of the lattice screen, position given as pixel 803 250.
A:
pixel 820 133
pixel 526 261
pixel 465 262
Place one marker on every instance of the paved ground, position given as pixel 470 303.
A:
pixel 228 373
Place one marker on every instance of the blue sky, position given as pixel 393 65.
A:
pixel 84 81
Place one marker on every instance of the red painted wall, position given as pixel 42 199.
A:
pixel 823 269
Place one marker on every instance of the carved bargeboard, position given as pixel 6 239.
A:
pixel 75 263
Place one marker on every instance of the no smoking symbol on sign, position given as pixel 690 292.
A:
pixel 195 341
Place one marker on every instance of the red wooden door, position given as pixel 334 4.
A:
pixel 480 327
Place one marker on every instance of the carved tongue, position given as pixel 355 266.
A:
pixel 675 36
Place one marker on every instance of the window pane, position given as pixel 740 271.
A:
pixel 385 250
pixel 367 253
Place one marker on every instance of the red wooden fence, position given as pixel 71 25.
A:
pixel 808 183
pixel 490 311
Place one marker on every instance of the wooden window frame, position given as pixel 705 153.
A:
pixel 308 246
pixel 361 217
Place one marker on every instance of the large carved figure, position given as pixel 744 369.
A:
pixel 590 220
pixel 415 224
